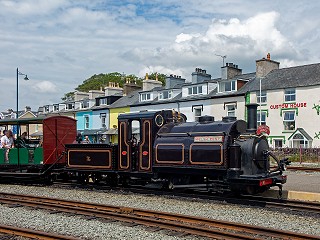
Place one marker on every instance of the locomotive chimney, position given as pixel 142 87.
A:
pixel 252 117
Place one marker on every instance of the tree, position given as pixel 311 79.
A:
pixel 161 77
pixel 97 82
pixel 68 97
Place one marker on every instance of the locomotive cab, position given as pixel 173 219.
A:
pixel 136 152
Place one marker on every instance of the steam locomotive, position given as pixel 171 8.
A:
pixel 166 151
pixel 172 153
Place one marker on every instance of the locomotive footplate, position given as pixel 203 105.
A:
pixel 259 181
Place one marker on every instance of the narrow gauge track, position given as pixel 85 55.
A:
pixel 29 233
pixel 307 169
pixel 176 222
pixel 313 207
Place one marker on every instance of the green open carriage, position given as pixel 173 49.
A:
pixel 38 157
pixel 32 152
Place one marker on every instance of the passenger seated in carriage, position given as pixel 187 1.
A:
pixel 22 140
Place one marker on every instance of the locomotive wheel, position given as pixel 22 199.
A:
pixel 124 181
pixel 112 180
pixel 94 178
pixel 48 180
pixel 251 190
pixel 82 178
pixel 170 185
pixel 177 180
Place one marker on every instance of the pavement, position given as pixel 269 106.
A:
pixel 300 186
pixel 303 181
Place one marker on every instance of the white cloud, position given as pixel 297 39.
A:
pixel 45 87
pixel 241 40
pixel 159 69
pixel 67 41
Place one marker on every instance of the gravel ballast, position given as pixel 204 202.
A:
pixel 94 229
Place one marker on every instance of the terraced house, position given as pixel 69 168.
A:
pixel 288 100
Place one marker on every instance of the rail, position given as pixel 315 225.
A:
pixel 181 223
pixel 29 233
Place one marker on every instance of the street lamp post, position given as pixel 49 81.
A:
pixel 17 113
pixel 25 78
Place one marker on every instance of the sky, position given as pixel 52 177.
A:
pixel 60 43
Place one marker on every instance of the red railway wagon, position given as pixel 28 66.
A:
pixel 38 156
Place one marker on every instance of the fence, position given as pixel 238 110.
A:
pixel 299 155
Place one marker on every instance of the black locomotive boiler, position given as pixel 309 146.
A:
pixel 166 150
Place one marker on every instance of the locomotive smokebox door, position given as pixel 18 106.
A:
pixel 260 155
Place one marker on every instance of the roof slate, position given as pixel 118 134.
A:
pixel 129 100
pixel 300 76
pixel 306 75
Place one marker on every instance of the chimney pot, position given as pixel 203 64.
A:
pixel 268 56
pixel 264 66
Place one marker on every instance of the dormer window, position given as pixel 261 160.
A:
pixel 195 90
pixel 70 106
pixel 145 97
pixel 229 86
pixel 103 101
pixel 165 95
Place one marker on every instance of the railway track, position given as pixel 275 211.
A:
pixel 259 201
pixel 307 169
pixel 157 220
pixel 29 233
pixel 301 168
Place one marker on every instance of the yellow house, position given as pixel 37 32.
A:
pixel 122 105
pixel 114 113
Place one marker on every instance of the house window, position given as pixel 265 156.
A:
pixel 227 86
pixel 70 106
pixel 85 104
pixel 289 120
pixel 56 108
pixel 262 98
pixel 165 95
pixel 278 143
pixel 103 120
pixel 197 113
pixel 62 107
pixel 195 90
pixel 145 97
pixel 231 110
pixel 86 121
pixel 261 118
pixel 290 95
pixel 103 101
